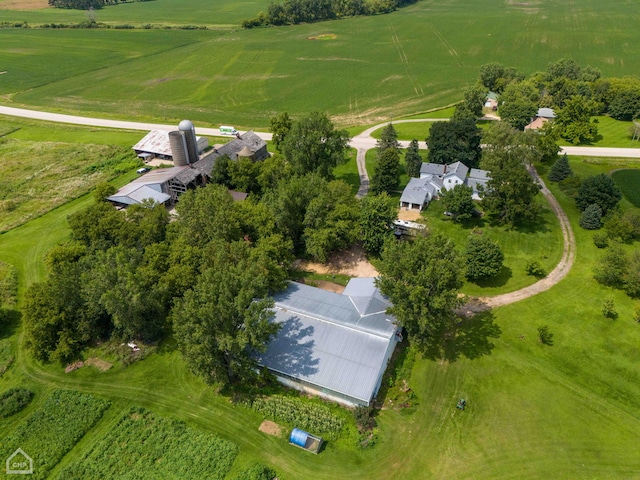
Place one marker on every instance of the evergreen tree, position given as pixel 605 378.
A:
pixel 560 169
pixel 388 139
pixel 387 173
pixel 591 218
pixel 598 189
pixel 413 159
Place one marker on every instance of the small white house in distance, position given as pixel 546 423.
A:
pixel 333 345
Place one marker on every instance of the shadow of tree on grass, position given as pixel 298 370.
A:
pixel 471 337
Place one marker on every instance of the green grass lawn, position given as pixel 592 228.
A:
pixel 629 183
pixel 348 171
pixel 377 68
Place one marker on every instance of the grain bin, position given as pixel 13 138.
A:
pixel 189 132
pixel 178 145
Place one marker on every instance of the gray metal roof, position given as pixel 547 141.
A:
pixel 431 169
pixel 336 342
pixel 157 142
pixel 247 140
pixel 419 190
pixel 546 113
pixel 152 182
pixel 458 169
pixel 479 174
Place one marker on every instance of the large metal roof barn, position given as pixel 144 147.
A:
pixel 333 345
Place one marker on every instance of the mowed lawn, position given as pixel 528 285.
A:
pixel 629 183
pixel 375 69
pixel 565 411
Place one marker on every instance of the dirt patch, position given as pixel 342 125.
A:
pixel 100 364
pixel 270 428
pixel 74 366
pixel 324 36
pixel 23 4
pixel 352 262
pixel 325 285
pixel 410 215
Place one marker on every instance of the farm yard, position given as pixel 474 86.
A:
pixel 563 410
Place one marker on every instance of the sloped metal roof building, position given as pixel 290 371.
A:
pixel 333 345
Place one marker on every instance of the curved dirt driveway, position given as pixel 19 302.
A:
pixel 557 274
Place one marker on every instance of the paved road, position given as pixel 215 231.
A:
pixel 101 122
pixel 361 141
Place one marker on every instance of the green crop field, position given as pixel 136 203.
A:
pixel 52 430
pixel 154 447
pixel 376 68
pixel 221 14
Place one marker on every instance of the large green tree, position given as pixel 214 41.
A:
pixel 483 258
pixel 575 122
pixel 600 190
pixel 455 141
pixel 331 219
pixel 496 77
pixel 280 127
pixel 377 213
pixel 511 190
pixel 314 145
pixel 472 104
pixel 422 279
pixel 459 202
pixel 225 318
pixel 207 214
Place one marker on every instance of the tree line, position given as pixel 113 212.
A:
pixel 291 12
pixel 86 4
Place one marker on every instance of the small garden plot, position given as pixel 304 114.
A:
pixel 49 433
pixel 296 412
pixel 629 183
pixel 144 445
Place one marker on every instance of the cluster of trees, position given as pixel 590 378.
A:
pixel 291 12
pixel 207 276
pixel 86 4
pixel 575 93
pixel 510 194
